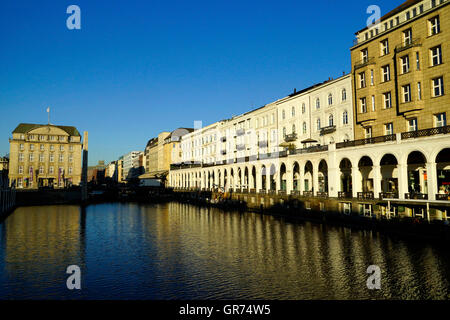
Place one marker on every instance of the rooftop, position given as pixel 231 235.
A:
pixel 26 127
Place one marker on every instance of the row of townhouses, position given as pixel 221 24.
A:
pixel 374 137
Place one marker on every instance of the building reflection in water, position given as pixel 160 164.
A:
pixel 179 251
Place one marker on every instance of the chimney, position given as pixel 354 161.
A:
pixel 295 90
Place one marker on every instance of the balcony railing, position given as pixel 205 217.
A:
pixel 322 194
pixel 271 191
pixel 416 196
pixel 282 192
pixel 364 62
pixel 388 195
pixel 442 197
pixel 413 43
pixel 362 142
pixel 240 147
pixel 244 190
pixel 365 195
pixel 290 137
pixel 262 191
pixel 308 194
pixel 425 132
pixel 295 192
pixel 310 150
pixel 345 195
pixel 327 130
pixel 252 191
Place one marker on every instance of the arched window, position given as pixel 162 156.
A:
pixel 344 95
pixel 303 108
pixel 283 115
pixel 345 117
pixel 330 99
pixel 317 103
pixel 330 120
pixel 318 124
pixel 293 128
pixel 293 111
pixel 304 128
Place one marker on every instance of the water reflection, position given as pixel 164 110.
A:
pixel 178 251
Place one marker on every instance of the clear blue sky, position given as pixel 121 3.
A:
pixel 137 67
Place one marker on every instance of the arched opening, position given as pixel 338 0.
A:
pixel 232 179
pixel 226 182
pixel 308 180
pixel 346 178
pixel 283 175
pixel 365 166
pixel 253 185
pixel 238 179
pixel 443 174
pixel 272 177
pixel 323 176
pixel 296 175
pixel 417 176
pixel 263 178
pixel 389 176
pixel 245 182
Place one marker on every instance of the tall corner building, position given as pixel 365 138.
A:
pixel 401 70
pixel 44 156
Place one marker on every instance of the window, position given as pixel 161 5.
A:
pixel 31 147
pixel 42 148
pixel 41 158
pixel 387 100
pixel 368 132
pixel 317 103
pixel 41 138
pixel 70 170
pixel 52 148
pixel 408 15
pixel 433 3
pixel 21 157
pixel 434 24
pixel 371 77
pixel 330 99
pixel 406 93
pixel 20 169
pixel 52 158
pixel 344 95
pixel 21 146
pixel 293 111
pixel 417 61
pixel 436 56
pixel 318 124
pixel 373 103
pixel 385 70
pixel 330 120
pixel 405 64
pixel 304 128
pixel 438 86
pixel 293 128
pixel 41 170
pixel 71 156
pixel 283 115
pixel 364 55
pixel 412 124
pixel 303 108
pixel 419 91
pixel 51 170
pixel 61 148
pixel 345 117
pixel 389 129
pixel 31 157
pixel 363 105
pixel 362 80
pixel 440 120
pixel 407 37
pixel 284 132
pixel 384 47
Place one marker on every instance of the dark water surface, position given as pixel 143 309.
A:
pixel 179 251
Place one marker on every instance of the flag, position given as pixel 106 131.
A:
pixel 48 109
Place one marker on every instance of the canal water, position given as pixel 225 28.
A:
pixel 180 251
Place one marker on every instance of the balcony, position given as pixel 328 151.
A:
pixel 416 196
pixel 240 132
pixel 271 192
pixel 413 43
pixel 263 144
pixel 262 191
pixel 245 191
pixel 252 191
pixel 282 192
pixel 310 150
pixel 425 132
pixel 361 142
pixel 322 194
pixel 365 62
pixel 240 147
pixel 290 137
pixel 345 195
pixel 442 197
pixel 388 195
pixel 366 195
pixel 327 130
pixel 295 192
pixel 308 194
